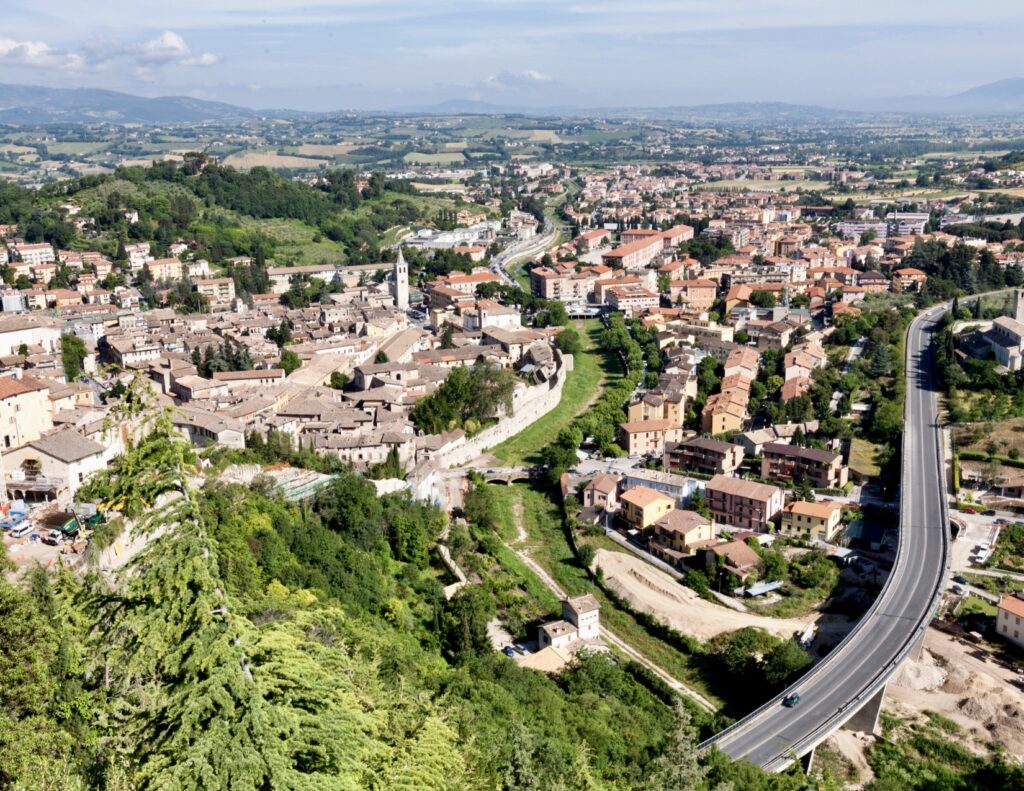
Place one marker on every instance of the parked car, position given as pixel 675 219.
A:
pixel 958 590
pixel 989 512
pixel 791 700
pixel 53 537
pixel 961 579
pixel 509 650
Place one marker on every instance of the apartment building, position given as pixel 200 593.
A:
pixel 696 295
pixel 34 254
pixel 591 240
pixel 564 283
pixel 654 405
pixel 219 290
pixel 908 279
pixel 724 412
pixel 704 455
pixel 678 534
pixel 164 268
pixel 636 255
pixel 823 469
pixel 632 299
pixel 812 521
pixel 646 437
pixel 642 507
pixel 745 504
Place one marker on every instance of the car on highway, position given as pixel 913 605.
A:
pixel 791 700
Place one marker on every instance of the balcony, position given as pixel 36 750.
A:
pixel 33 487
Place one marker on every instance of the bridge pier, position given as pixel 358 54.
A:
pixel 916 652
pixel 807 762
pixel 866 718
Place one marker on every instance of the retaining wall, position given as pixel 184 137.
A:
pixel 529 406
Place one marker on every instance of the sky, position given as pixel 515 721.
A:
pixel 391 54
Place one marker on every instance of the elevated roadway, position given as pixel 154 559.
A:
pixel 855 672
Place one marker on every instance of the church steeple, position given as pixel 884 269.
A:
pixel 400 282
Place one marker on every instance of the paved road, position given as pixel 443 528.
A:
pixel 524 249
pixel 833 690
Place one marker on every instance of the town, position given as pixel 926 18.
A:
pixel 650 434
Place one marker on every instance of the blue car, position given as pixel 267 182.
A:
pixel 791 700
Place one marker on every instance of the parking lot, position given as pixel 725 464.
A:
pixel 977 530
pixel 26 552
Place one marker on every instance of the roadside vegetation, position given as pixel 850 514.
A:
pixel 928 755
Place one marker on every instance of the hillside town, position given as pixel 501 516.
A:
pixel 715 281
pixel 705 386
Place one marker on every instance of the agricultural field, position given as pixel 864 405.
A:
pixel 420 158
pixel 324 150
pixel 75 149
pixel 268 159
pixel 297 243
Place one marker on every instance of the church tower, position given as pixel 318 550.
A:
pixel 400 282
pixel 1018 304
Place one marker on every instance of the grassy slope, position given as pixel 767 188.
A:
pixel 550 548
pixel 583 384
pixel 294 238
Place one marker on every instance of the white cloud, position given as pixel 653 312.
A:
pixel 35 53
pixel 204 60
pixel 165 48
pixel 169 48
pixel 515 80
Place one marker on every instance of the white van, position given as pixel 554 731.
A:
pixel 21 530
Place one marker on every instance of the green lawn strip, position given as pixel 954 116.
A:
pixel 590 371
pixel 537 590
pixel 505 497
pixel 863 455
pixel 975 604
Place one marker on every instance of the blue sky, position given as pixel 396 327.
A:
pixel 380 54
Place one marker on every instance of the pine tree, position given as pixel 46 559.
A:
pixel 678 768
pixel 431 761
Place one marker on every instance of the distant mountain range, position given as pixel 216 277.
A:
pixel 30 104
pixel 27 104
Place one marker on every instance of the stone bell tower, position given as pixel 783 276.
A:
pixel 400 282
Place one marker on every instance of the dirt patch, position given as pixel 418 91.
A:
pixel 921 674
pixel 852 746
pixel 655 592
pixel 978 695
